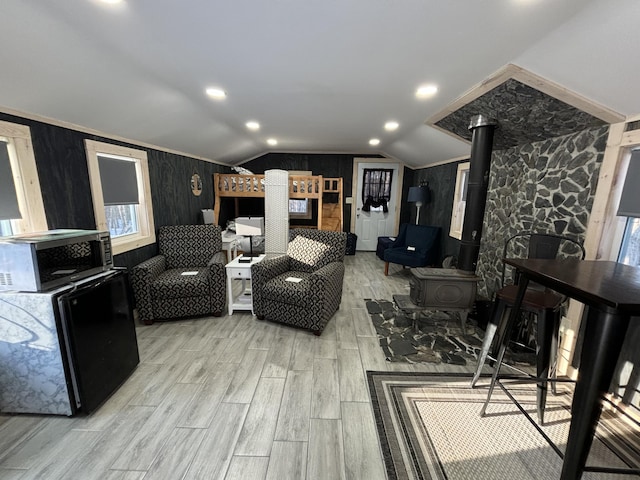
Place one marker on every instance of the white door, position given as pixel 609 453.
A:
pixel 376 223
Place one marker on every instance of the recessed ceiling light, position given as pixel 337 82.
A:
pixel 111 2
pixel 391 126
pixel 253 125
pixel 272 141
pixel 216 93
pixel 425 91
pixel 374 141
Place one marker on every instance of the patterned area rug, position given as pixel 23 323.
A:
pixel 430 428
pixel 439 339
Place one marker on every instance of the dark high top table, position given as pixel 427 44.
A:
pixel 612 293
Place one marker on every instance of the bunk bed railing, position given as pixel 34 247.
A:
pixel 300 187
pixel 305 186
pixel 236 185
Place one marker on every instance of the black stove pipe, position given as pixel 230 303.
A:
pixel 478 184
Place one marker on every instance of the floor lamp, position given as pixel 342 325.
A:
pixel 420 196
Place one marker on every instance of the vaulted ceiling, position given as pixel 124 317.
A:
pixel 319 75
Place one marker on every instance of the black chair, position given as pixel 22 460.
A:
pixel 543 303
pixel 187 278
pixel 415 246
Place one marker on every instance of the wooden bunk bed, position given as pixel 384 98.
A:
pixel 312 187
pixel 332 211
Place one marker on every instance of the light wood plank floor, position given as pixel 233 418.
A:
pixel 229 398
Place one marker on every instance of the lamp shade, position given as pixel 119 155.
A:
pixel 419 194
pixel 250 226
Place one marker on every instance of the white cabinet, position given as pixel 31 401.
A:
pixel 238 270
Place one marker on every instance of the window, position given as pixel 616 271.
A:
pixel 299 208
pixel 459 200
pixel 629 207
pixel 121 194
pixel 19 183
pixel 376 189
pixel 630 247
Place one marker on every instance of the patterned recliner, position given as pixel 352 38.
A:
pixel 162 291
pixel 313 256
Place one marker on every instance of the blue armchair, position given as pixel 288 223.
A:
pixel 415 246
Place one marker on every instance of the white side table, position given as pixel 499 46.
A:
pixel 237 270
pixel 230 243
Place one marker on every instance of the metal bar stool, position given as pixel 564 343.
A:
pixel 543 303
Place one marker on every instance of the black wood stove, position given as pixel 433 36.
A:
pixel 455 289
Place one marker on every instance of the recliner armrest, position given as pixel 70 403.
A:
pixel 261 273
pixel 151 268
pixel 327 284
pixel 331 271
pixel 218 258
pixel 216 268
pixel 330 274
pixel 142 276
pixel 269 268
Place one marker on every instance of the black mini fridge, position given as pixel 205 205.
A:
pixel 99 337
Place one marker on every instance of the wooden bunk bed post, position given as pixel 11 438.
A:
pixel 334 185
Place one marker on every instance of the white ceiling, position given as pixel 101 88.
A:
pixel 319 75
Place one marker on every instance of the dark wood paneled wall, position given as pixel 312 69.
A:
pixel 442 185
pixel 64 179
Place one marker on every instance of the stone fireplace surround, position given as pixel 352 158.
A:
pixel 542 186
pixel 547 153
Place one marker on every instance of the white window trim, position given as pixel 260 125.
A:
pixel 459 204
pixel 146 234
pixel 612 239
pixel 25 178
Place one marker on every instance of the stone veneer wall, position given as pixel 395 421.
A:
pixel 547 186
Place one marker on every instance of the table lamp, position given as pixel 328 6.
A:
pixel 249 227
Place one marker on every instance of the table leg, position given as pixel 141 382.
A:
pixel 463 320
pixel 229 294
pixel 545 330
pixel 414 321
pixel 603 338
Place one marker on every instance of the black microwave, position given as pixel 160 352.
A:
pixel 36 262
